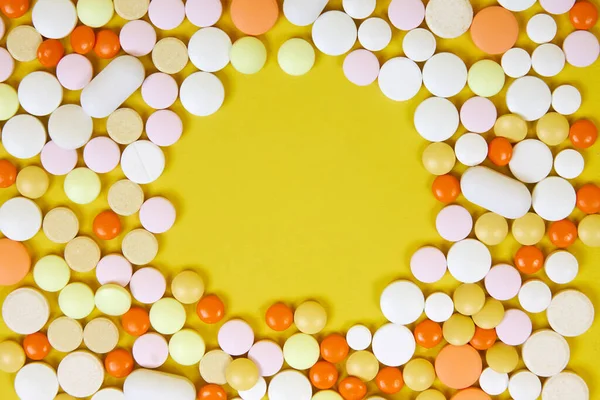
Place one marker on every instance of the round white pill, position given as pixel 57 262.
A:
pixel 516 62
pixel 445 75
pixel 334 33
pixel 492 382
pixel 23 136
pixel 419 44
pixel 546 353
pixel 40 93
pixel 553 198
pixel 565 385
pixel 202 94
pixel 524 385
pixel 469 261
pixel 561 267
pixel 70 127
pixel 209 49
pixel 541 28
pixel 566 99
pixel 54 19
pixel 142 162
pixel 531 161
pixel 400 79
pixel 20 219
pixel 25 311
pixel 374 34
pixel 436 119
pixel 449 19
pixel 569 164
pixel 439 307
pixel 402 302
pixel 548 60
pixel 535 296
pixel 289 385
pixel 517 5
pixel 529 97
pixel 393 345
pixel 303 12
pixel 80 374
pixel 359 337
pixel 571 313
pixel 36 381
pixel 359 9
pixel 471 149
pixel 257 392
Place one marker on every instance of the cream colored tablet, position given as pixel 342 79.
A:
pixel 82 254
pixel 125 197
pixel 22 43
pixel 80 374
pixel 565 385
pixel 101 335
pixel 139 247
pixel 60 225
pixel 213 365
pixel 124 126
pixel 65 334
pixel 546 353
pixel 131 9
pixel 571 313
pixel 25 311
pixel 449 19
pixel 170 55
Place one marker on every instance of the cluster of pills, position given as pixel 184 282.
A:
pixel 479 338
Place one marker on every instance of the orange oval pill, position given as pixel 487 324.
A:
pixel 254 17
pixel 352 388
pixel 562 233
pixel 279 317
pixel 50 52
pixel 83 39
pixel 446 188
pixel 389 380
pixel 119 363
pixel 483 339
pixel 8 174
pixel 334 348
pixel 212 392
pixel 323 375
pixel 529 259
pixel 494 30
pixel 583 134
pixel 471 394
pixel 458 367
pixel 588 198
pixel 15 262
pixel 136 321
pixel 428 334
pixel 210 309
pixel 107 225
pixel 36 346
pixel 583 15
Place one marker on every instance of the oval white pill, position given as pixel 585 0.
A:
pixel 20 219
pixel 469 261
pixel 54 19
pixel 144 384
pixel 571 313
pixel 402 302
pixel 541 28
pixel 535 296
pixel 561 267
pixel 569 164
pixel 449 19
pixel 436 119
pixel 445 75
pixel 531 161
pixel 209 49
pixel 70 127
pixel 419 45
pixel 400 79
pixel 334 33
pixel 202 94
pixel 303 12
pixel 471 149
pixel 289 385
pixel 23 136
pixel 553 198
pixel 548 60
pixel 565 385
pixel 566 99
pixel 359 337
pixel 36 381
pixel 393 345
pixel 80 373
pixel 524 385
pixel 529 97
pixel 516 62
pixel 546 353
pixel 492 382
pixel 40 93
pixel 142 162
pixel 439 307
pixel 374 34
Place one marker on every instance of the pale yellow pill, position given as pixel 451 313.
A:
pixel 131 9
pixel 301 351
pixel 60 225
pixel 32 182
pixel 187 287
pixel 51 273
pixel 469 298
pixel 95 13
pixel 213 365
pixel 511 126
pixel 112 299
pixel 529 229
pixel 327 395
pixel 438 158
pixel 486 78
pixel 12 357
pixel 124 126
pixel 588 230
pixel 491 229
pixel 363 365
pixel 22 43
pixel 9 102
pixel 248 55
pixel 167 316
pixel 170 55
pixel 101 335
pixel 82 254
pixel 418 374
pixel 458 330
pixel 431 394
pixel 296 57
pixel 139 247
pixel 553 128
pixel 82 185
pixel 65 334
pixel 490 315
pixel 186 347
pixel 310 317
pixel 502 358
pixel 76 300
pixel 242 374
pixel 125 197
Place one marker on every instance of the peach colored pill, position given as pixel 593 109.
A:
pixel 494 30
pixel 254 17
pixel 458 367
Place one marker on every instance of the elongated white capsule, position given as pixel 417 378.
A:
pixel 144 384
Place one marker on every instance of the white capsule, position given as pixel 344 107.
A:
pixel 143 384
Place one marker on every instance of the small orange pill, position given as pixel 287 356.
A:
pixel 389 380
pixel 212 392
pixel 8 174
pixel 210 309
pixel 583 15
pixel 36 346
pixel 107 225
pixel 500 151
pixel 107 44
pixel 136 321
pixel 428 334
pixel 483 339
pixel 352 388
pixel 583 134
pixel 334 348
pixel 50 52
pixel 323 375
pixel 83 39
pixel 446 188
pixel 118 363
pixel 588 198
pixel 14 8
pixel 279 317
pixel 529 259
pixel 562 233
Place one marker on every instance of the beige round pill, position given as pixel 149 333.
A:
pixel 139 247
pixel 124 126
pixel 170 55
pixel 60 225
pixel 131 9
pixel 82 254
pixel 65 334
pixel 22 43
pixel 125 197
pixel 101 335
pixel 213 366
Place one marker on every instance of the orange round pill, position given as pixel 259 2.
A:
pixel 118 363
pixel 483 339
pixel 500 151
pixel 334 348
pixel 446 188
pixel 50 52
pixel 212 392
pixel 83 39
pixel 36 346
pixel 107 44
pixel 210 309
pixel 583 15
pixel 562 233
pixel 352 388
pixel 323 375
pixel 428 334
pixel 279 317
pixel 529 259
pixel 389 380
pixel 8 174
pixel 583 134
pixel 14 8
pixel 254 17
pixel 494 30
pixel 588 198
pixel 136 321
pixel 107 225
pixel 15 262
pixel 458 367
pixel 471 394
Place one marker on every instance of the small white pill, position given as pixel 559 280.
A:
pixel 553 198
pixel 20 219
pixel 70 127
pixel 445 75
pixel 548 60
pixel 535 296
pixel 142 162
pixel 516 62
pixel 529 97
pixel 400 79
pixel 209 49
pixel 569 164
pixel 541 28
pixel 303 12
pixel 40 93
pixel 359 337
pixel 492 382
pixel 436 119
pixel 531 161
pixel 439 307
pixel 469 261
pixel 419 44
pixel 334 33
pixel 561 267
pixel 524 385
pixel 374 34
pixel 202 94
pixel 471 149
pixel 402 302
pixel 566 99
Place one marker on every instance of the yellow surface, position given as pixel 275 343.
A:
pixel 305 188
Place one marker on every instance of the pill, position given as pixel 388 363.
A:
pixel 236 337
pixel 109 394
pixel 170 55
pixel 516 5
pixel 402 302
pixel 490 316
pixel 268 357
pixel 143 384
pixel 458 367
pixel 20 219
pixel 334 33
pixel 439 307
pixel 112 299
pixel 150 350
pixel 563 385
pixel 478 114
pixel 209 49
pixel 468 299
pixel 55 19
pixel 469 260
pixel 248 55
pixel 125 197
pixel 36 381
pixel 310 317
pixel 186 347
pixel 22 43
pixel 541 28
pixel 164 128
pixel 361 67
pixel 418 44
pixel 436 119
pixel 491 229
pixel 535 296
pixel 393 345
pixel 494 30
pixel 374 34
pixel 492 382
pixel 213 365
pixel 74 71
pixel 569 164
pixel 100 335
pixel 142 162
pixel 444 74
pixel 449 19
pixel 131 9
pixel 300 351
pixel 7 65
pixel 157 215
pixel 58 161
pixel 400 89
pixel 32 182
pixel 137 38
pixel 561 267
pixel 515 327
pixel 95 13
pixel 40 93
pixel 358 337
pixel 546 353
pixel 458 330
pixel 23 136
pixel 471 149
pixel 303 12
pixel 51 273
pixel 570 313
pixel 65 334
pixel 502 358
pixel 327 395
pixel 76 300
pixel 524 385
pixel 80 374
pixel 566 99
pixel 553 198
pixel 70 127
pixel 581 48
pixel 112 86
pixel 428 264
pixel 296 56
pixel 25 311
pixel 124 126
pixel 82 254
pixel 12 356
pixel 364 365
pixel 359 9
pixel 529 97
pixel 9 102
pixel 167 316
pixel 203 13
pixel 14 262
pixel 139 247
pixel 202 94
pixel 548 60
pixel 516 62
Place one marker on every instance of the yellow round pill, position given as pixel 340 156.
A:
pixel 242 374
pixel 296 57
pixel 95 13
pixel 51 273
pixel 438 158
pixel 310 317
pixel 419 374
pixel 167 316
pixel 327 395
pixel 502 358
pixel 113 299
pixel 12 357
pixel 9 102
pixel 490 315
pixel 469 298
pixel 511 126
pixel 486 78
pixel 458 330
pixel 213 366
pixel 529 229
pixel 301 351
pixel 248 55
pixel 363 365
pixel 553 129
pixel 82 185
pixel 76 300
pixel 32 182
pixel 491 229
pixel 187 287
pixel 431 394
pixel 186 347
pixel 589 230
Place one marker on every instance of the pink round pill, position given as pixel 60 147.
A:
pixel 454 223
pixel 101 154
pixel 2 28
pixel 157 215
pixel 428 264
pixel 503 282
pixel 203 13
pixel 74 71
pixel 361 67
pixel 147 285
pixel 515 328
pixel 166 14
pixel 114 268
pixel 557 6
pixel 159 90
pixel 150 350
pixel 137 38
pixel 7 64
pixel 58 161
pixel 478 114
pixel 164 128
pixel 581 48
pixel 268 357
pixel 235 337
pixel 406 14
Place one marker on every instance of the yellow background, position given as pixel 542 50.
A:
pixel 306 188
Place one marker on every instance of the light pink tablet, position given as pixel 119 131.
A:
pixel 166 14
pixel 101 154
pixel 147 285
pixel 164 128
pixel 515 328
pixel 150 350
pixel 160 90
pixel 503 282
pixel 428 264
pixel 361 67
pixel 406 14
pixel 7 64
pixel 58 161
pixel 581 48
pixel 454 223
pixel 235 337
pixel 268 357
pixel 478 114
pixel 203 13
pixel 114 268
pixel 74 71
pixel 157 215
pixel 137 38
